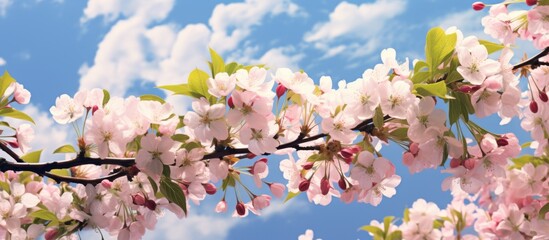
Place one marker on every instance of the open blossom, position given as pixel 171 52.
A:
pixel 24 135
pixel 154 153
pixel 369 170
pixel 66 109
pixel 222 85
pixel 106 133
pixel 298 82
pixel 396 97
pixel 365 98
pixel 155 111
pixel 260 140
pixel 254 80
pixel 339 127
pixel 250 108
pixel 207 122
pixel 475 65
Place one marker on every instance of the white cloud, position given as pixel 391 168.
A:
pixel 215 226
pixel 136 49
pixel 468 21
pixel 359 25
pixel 2 62
pixel 4 4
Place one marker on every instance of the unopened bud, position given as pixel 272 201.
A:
pixel 150 204
pixel 240 209
pixel 106 184
pixel 280 90
pixel 477 6
pixel 138 199
pixel 210 188
pixel 465 89
pixel 308 165
pixel 502 142
pixel 346 153
pixel 51 234
pixel 531 2
pixel 230 102
pixel 455 162
pixel 342 183
pixel 469 163
pixel 250 155
pixel 14 144
pixel 543 96
pixel 304 185
pixel 414 148
pixel 94 108
pixel 324 186
pixel 534 106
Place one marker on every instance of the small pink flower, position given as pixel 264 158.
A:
pixel 277 189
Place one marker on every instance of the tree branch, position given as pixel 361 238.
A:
pixel 533 61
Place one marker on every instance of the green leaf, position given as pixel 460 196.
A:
pixel 396 235
pixel 543 210
pixel 231 67
pixel 406 215
pixel 5 81
pixel 420 65
pixel 61 172
pixel 291 195
pixel 197 83
pixel 12 113
pixel 526 144
pixel 173 193
pixel 218 65
pixel 65 149
pixel 5 186
pixel 180 137
pixel 444 154
pixel 399 134
pixel 106 97
pixel 378 118
pixel 178 89
pixel 453 76
pixel 151 97
pixel 491 46
pixel 387 223
pixel 438 45
pixel 373 230
pixel 437 89
pixel 191 145
pixel 153 185
pixel 44 214
pixel 420 77
pixel 32 157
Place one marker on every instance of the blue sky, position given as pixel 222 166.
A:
pixel 128 47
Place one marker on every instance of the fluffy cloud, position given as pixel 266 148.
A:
pixel 140 48
pixel 4 4
pixel 359 26
pixel 2 62
pixel 469 22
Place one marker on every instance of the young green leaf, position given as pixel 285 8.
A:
pixel 32 157
pixel 438 45
pixel 151 97
pixel 12 113
pixel 437 89
pixel 173 193
pixel 5 81
pixel 291 195
pixel 491 46
pixel 65 149
pixel 218 65
pixel 378 118
pixel 106 97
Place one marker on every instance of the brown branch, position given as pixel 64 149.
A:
pixel 533 61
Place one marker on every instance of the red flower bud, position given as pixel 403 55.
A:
pixel 346 153
pixel 250 155
pixel 465 89
pixel 94 108
pixel 534 106
pixel 240 209
pixel 502 142
pixel 307 165
pixel 210 188
pixel 150 204
pixel 280 90
pixel 477 6
pixel 543 96
pixel 230 102
pixel 106 184
pixel 531 2
pixel 469 163
pixel 324 186
pixel 138 199
pixel 342 183
pixel 51 234
pixel 14 144
pixel 455 162
pixel 304 185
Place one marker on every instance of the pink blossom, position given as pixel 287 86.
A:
pixel 222 85
pixel 475 66
pixel 260 140
pixel 261 202
pixel 66 109
pixel 277 189
pixel 24 135
pixel 154 153
pixel 207 121
pixel 396 97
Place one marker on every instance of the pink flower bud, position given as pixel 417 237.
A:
pixel 308 165
pixel 261 202
pixel 106 184
pixel 477 6
pixel 138 199
pixel 280 90
pixel 408 158
pixel 534 106
pixel 414 148
pixel 324 186
pixel 346 153
pixel 465 89
pixel 210 188
pixel 342 183
pixel 221 206
pixel 250 155
pixel 94 108
pixel 469 163
pixel 531 2
pixel 455 162
pixel 277 189
pixel 230 102
pixel 150 204
pixel 240 209
pixel 543 96
pixel 304 185
pixel 51 234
